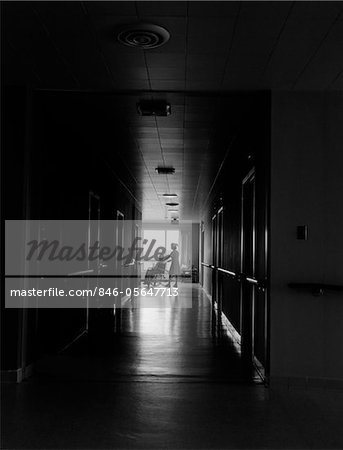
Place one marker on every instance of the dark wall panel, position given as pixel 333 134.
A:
pixel 13 143
pixel 70 158
pixel 249 149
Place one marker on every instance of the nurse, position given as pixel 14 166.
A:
pixel 174 270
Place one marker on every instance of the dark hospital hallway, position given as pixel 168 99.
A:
pixel 172 225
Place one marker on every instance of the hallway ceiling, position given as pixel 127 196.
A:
pixel 215 47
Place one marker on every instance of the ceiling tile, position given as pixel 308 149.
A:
pixel 213 9
pixel 165 8
pixel 317 10
pixel 111 8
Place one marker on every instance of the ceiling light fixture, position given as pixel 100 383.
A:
pixel 143 35
pixel 153 108
pixel 172 204
pixel 165 170
pixel 169 195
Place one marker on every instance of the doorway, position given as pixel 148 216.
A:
pixel 248 240
pixel 217 260
pixel 253 292
pixel 202 253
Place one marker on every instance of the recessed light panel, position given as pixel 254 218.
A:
pixel 165 170
pixel 153 108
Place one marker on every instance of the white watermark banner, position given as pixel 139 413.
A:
pixel 96 263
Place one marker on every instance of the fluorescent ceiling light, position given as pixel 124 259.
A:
pixel 172 204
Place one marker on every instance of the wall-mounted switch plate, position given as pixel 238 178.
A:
pixel 302 232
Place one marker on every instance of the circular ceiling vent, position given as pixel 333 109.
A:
pixel 143 35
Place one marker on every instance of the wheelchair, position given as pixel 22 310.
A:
pixel 156 275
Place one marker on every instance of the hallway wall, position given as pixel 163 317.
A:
pixel 72 135
pixel 248 147
pixel 13 143
pixel 43 134
pixel 306 189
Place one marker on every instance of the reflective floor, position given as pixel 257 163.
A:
pixel 166 379
pixel 158 337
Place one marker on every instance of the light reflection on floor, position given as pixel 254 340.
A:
pixel 163 339
pixel 163 381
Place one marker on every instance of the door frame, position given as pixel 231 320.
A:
pixel 247 306
pixel 202 252
pixel 92 196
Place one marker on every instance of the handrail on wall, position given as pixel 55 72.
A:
pixel 207 265
pixel 228 272
pixel 316 289
pixel 261 285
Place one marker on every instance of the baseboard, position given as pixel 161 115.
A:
pixel 305 382
pixel 12 376
pixel 231 329
pixel 226 322
pixel 206 293
pixel 17 375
